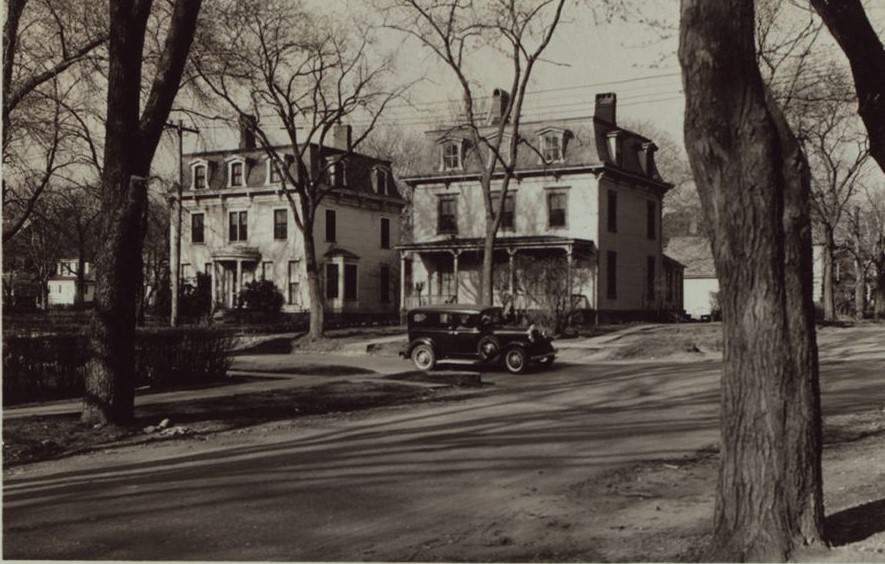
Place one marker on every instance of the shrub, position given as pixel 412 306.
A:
pixel 48 367
pixel 261 295
pixel 196 299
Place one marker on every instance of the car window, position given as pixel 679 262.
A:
pixel 468 320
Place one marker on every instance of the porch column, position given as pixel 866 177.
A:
pixel 238 285
pixel 402 280
pixel 341 284
pixel 511 275
pixel 214 282
pixel 455 275
pixel 568 276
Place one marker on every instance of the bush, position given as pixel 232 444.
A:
pixel 196 299
pixel 261 295
pixel 49 367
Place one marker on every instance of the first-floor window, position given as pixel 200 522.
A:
pixel 267 270
pixel 384 284
pixel 611 274
pixel 350 280
pixel 293 281
pixel 331 281
pixel 650 278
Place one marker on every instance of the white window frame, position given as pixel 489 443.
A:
pixel 459 144
pixel 268 176
pixel 382 189
pixel 230 167
pixel 194 165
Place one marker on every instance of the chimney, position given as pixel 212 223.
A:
pixel 605 107
pixel 500 99
pixel 342 137
pixel 248 123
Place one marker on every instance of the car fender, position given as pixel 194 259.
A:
pixel 421 341
pixel 482 345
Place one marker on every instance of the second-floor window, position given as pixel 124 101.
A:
pixel 451 158
pixel 557 207
pixel 236 174
pixel 612 211
pixel 197 231
pixel 237 222
pixel 385 233
pixel 651 222
pixel 280 224
pixel 330 226
pixel 200 177
pixel 447 215
pixel 551 147
pixel 507 214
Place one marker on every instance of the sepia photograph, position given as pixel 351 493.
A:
pixel 443 280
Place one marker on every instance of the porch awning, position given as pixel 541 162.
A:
pixel 237 253
pixel 502 243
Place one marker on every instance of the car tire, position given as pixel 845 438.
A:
pixel 423 357
pixel 516 361
pixel 488 348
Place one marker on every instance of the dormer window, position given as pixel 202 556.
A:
pixel 382 182
pixel 451 155
pixel 236 173
pixel 614 146
pixel 551 147
pixel 199 175
pixel 273 172
pixel 336 171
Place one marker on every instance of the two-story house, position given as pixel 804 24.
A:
pixel 238 226
pixel 585 190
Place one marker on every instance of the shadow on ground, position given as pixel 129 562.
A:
pixel 857 523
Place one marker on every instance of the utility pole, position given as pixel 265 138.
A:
pixel 175 259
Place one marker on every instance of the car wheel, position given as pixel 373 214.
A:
pixel 423 357
pixel 516 361
pixel 488 348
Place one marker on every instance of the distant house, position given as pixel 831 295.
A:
pixel 62 286
pixel 238 226
pixel 589 194
pixel 700 289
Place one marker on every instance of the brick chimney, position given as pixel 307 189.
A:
pixel 500 99
pixel 247 131
pixel 342 137
pixel 605 107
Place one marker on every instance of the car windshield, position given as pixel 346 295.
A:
pixel 491 317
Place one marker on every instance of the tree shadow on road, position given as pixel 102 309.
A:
pixel 856 523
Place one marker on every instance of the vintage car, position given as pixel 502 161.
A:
pixel 471 334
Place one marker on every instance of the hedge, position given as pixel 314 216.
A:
pixel 49 367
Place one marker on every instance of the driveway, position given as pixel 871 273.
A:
pixel 499 476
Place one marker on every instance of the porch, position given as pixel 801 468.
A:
pixel 530 272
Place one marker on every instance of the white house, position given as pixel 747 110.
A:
pixel 62 285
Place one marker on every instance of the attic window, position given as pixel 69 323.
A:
pixel 273 172
pixel 451 155
pixel 236 173
pixel 382 180
pixel 199 175
pixel 552 147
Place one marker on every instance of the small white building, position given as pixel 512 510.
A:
pixel 62 286
pixel 700 287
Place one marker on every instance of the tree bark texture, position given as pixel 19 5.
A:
pixel 755 189
pixel 314 288
pixel 130 143
pixel 849 25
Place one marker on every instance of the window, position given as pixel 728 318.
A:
pixel 611 275
pixel 451 156
pixel 551 147
pixel 237 226
pixel 447 215
pixel 199 180
pixel 651 220
pixel 382 186
pixel 273 173
pixel 384 284
pixel 650 278
pixel 197 228
pixel 236 173
pixel 330 226
pixel 556 209
pixel 267 270
pixel 331 281
pixel 280 224
pixel 350 282
pixel 293 278
pixel 385 233
pixel 336 172
pixel 612 211
pixel 507 214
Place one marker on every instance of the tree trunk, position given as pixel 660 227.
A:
pixel 487 286
pixel 754 186
pixel 880 286
pixel 860 289
pixel 80 289
pixel 829 302
pixel 317 304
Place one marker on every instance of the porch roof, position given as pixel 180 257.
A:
pixel 501 243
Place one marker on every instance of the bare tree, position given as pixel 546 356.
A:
pixel 453 30
pixel 867 226
pixel 132 132
pixel 274 65
pixel 754 185
pixel 848 22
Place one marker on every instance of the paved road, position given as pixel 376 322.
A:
pixel 475 479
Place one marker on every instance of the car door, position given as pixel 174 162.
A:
pixel 465 336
